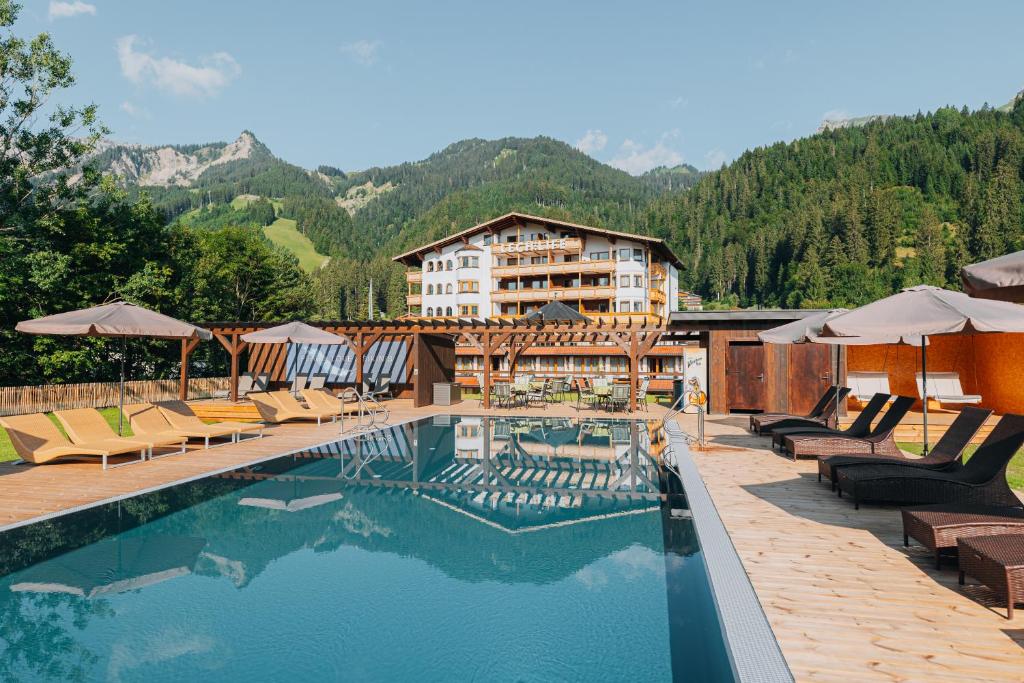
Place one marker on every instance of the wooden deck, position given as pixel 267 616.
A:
pixel 846 600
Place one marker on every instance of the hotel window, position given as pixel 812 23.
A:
pixel 430 289
pixel 487 239
pixel 638 255
pixel 638 280
pixel 469 310
pixel 538 260
pixel 448 288
pixel 599 256
pixel 623 281
pixel 469 286
pixel 430 266
pixel 449 265
pixel 510 238
pixel 430 311
pixel 469 262
pixel 638 306
pixel 448 311
pixel 571 258
pixel 624 254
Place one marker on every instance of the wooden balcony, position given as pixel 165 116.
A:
pixel 414 300
pixel 657 296
pixel 560 268
pixel 414 276
pixel 552 294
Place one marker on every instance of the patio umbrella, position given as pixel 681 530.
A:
pixel 117 319
pixel 295 332
pixel 1000 278
pixel 556 310
pixel 919 312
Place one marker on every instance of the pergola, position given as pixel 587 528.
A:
pixel 491 337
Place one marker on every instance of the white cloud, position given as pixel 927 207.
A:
pixel 63 10
pixel 362 51
pixel 714 158
pixel 634 158
pixel 679 103
pixel 213 74
pixel 592 141
pixel 134 110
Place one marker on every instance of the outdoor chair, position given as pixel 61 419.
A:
pixel 981 481
pixel 859 428
pixel 87 425
pixel 245 383
pixel 319 399
pixel 381 387
pixel 148 422
pixel 318 380
pixel 865 385
pixel 180 416
pixel 619 399
pixel 819 416
pixel 37 440
pixel 945 455
pixel 502 394
pixel 298 383
pixel 566 389
pixel 271 409
pixel 944 387
pixel 641 394
pixel 585 394
pixel 261 382
pixel 879 441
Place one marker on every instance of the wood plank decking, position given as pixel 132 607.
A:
pixel 846 600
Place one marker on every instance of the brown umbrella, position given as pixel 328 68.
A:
pixel 1000 278
pixel 295 332
pixel 117 319
pixel 919 312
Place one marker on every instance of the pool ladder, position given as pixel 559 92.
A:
pixel 675 410
pixel 371 412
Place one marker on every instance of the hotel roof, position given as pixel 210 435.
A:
pixel 414 257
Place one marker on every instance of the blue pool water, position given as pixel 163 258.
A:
pixel 452 549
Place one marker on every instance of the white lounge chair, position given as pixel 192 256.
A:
pixel 945 387
pixel 864 385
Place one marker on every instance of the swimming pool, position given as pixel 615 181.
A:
pixel 450 548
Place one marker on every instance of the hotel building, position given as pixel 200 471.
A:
pixel 514 264
pixel 510 266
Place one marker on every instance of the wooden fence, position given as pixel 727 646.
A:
pixel 50 397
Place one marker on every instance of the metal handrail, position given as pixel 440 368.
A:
pixel 370 410
pixel 675 410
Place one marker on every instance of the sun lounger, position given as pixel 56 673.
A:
pixel 318 399
pixel 944 387
pixel 945 455
pixel 820 414
pixel 982 480
pixel 147 421
pixel 37 440
pixel 859 428
pixel 880 440
pixel 939 527
pixel 180 416
pixel 272 409
pixel 87 425
pixel 864 385
pixel 318 380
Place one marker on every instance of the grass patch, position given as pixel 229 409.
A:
pixel 1014 473
pixel 283 233
pixel 7 448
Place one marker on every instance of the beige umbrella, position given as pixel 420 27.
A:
pixel 295 332
pixel 919 312
pixel 117 319
pixel 1000 278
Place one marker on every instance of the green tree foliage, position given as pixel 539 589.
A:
pixel 853 213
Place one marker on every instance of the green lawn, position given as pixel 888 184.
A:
pixel 283 232
pixel 1014 473
pixel 7 450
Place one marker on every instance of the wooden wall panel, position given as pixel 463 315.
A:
pixel 434 362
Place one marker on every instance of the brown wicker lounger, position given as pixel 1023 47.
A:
pixel 860 427
pixel 945 455
pixel 981 481
pixel 996 561
pixel 821 414
pixel 879 440
pixel 938 527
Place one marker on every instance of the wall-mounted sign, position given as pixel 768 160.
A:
pixel 534 245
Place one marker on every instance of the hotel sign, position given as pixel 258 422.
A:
pixel 537 245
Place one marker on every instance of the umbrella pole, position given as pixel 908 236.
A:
pixel 836 380
pixel 924 389
pixel 120 404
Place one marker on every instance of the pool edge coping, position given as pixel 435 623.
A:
pixel 754 650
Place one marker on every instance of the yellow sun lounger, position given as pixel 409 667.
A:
pixel 86 425
pixel 318 399
pixel 271 409
pixel 180 416
pixel 37 440
pixel 148 422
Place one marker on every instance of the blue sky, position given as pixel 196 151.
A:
pixel 635 84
